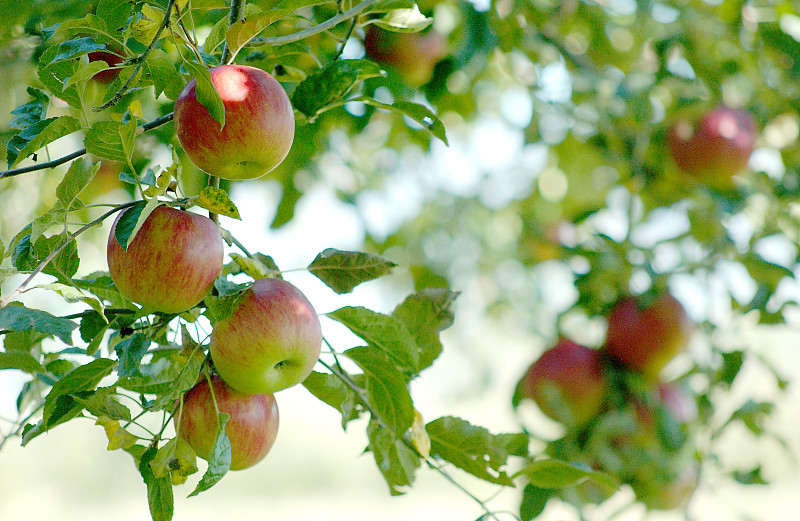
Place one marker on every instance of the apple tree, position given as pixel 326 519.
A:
pixel 616 179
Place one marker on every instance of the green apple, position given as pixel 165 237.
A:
pixel 566 382
pixel 270 341
pixel 645 336
pixel 171 263
pixel 259 124
pixel 251 428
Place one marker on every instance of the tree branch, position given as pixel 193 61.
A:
pixel 234 15
pixel 78 153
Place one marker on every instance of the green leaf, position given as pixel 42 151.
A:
pixel 168 374
pixel 344 270
pixel 219 461
pixel 383 332
pixel 731 364
pixel 104 403
pixel 220 307
pixel 175 458
pixel 19 318
pixel 421 114
pixel 396 461
pixel 330 389
pixel 207 94
pixel 130 353
pixel 39 135
pixel 80 174
pixel 27 255
pixel 159 490
pixel 163 74
pixel 550 473
pixel 425 314
pixel 131 221
pixel 73 48
pixel 330 85
pixel 88 25
pixel 112 140
pixel 31 112
pixel 384 6
pixel 22 361
pixel 216 200
pixel 114 12
pixel 533 501
pixel 386 388
pixel 474 449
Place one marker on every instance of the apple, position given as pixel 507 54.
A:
pixel 251 428
pixel 645 336
pixel 106 76
pixel 171 263
pixel 717 148
pixel 413 55
pixel 270 341
pixel 259 124
pixel 566 382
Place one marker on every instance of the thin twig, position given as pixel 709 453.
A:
pixel 78 153
pixel 234 15
pixel 320 28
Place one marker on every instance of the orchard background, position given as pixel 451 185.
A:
pixel 491 176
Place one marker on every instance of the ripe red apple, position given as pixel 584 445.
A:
pixel 171 263
pixel 717 148
pixel 646 336
pixel 251 429
pixel 271 340
pixel 259 124
pixel 566 382
pixel 413 55
pixel 106 76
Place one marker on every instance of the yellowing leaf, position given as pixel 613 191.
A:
pixel 253 267
pixel 118 437
pixel 419 436
pixel 145 28
pixel 217 201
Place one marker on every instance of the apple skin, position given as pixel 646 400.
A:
pixel 717 148
pixel 251 429
pixel 271 341
pixel 566 382
pixel 171 263
pixel 645 339
pixel 259 124
pixel 412 55
pixel 108 75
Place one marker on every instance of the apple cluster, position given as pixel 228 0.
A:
pixel 270 337
pixel 619 416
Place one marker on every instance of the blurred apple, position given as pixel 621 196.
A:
pixel 717 148
pixel 171 263
pixel 566 382
pixel 259 124
pixel 412 55
pixel 670 491
pixel 645 336
pixel 251 428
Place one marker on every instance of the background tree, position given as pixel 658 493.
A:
pixel 540 167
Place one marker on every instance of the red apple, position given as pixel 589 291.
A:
pixel 717 148
pixel 171 263
pixel 251 428
pixel 645 337
pixel 413 55
pixel 271 340
pixel 566 382
pixel 107 75
pixel 259 124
